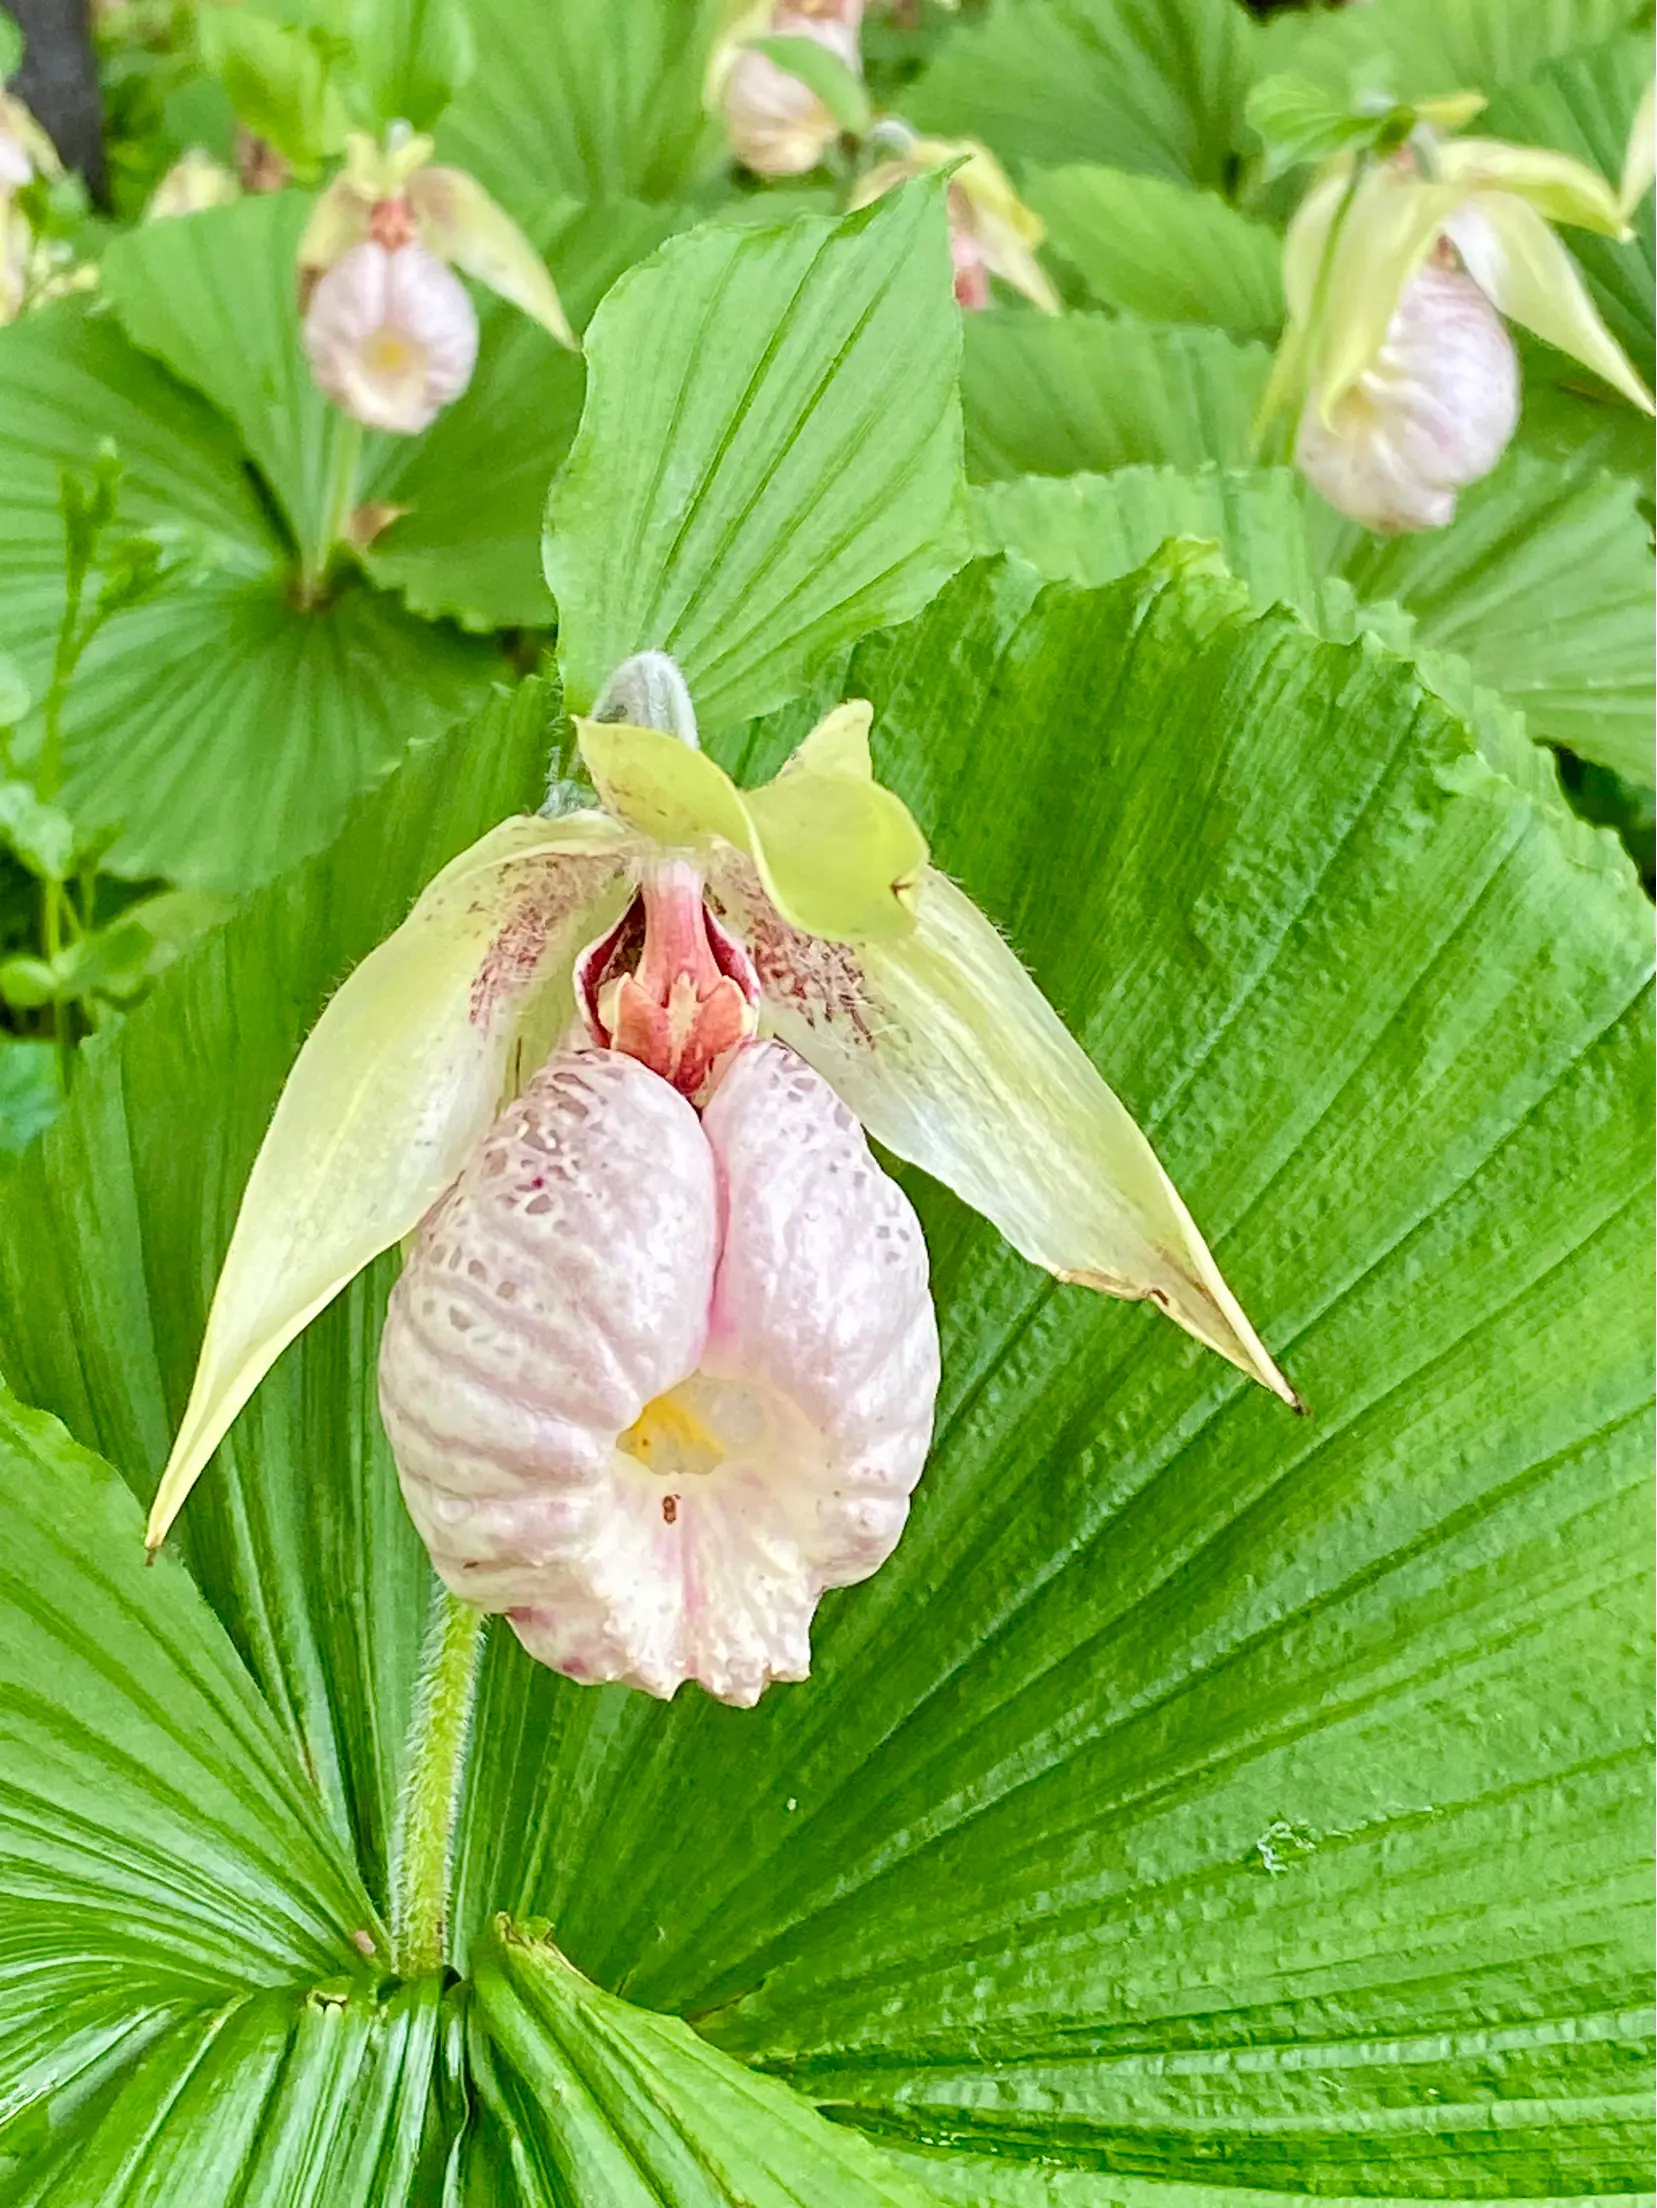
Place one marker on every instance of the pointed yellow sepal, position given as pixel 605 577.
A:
pixel 950 1055
pixel 459 221
pixel 1527 275
pixel 1640 161
pixel 839 855
pixel 1450 110
pixel 400 1078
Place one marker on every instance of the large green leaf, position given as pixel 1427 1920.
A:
pixel 715 505
pixel 1472 604
pixel 1189 1792
pixel 225 726
pixel 1413 48
pixel 1188 1795
pixel 298 1535
pixel 160 1850
pixel 214 298
pixel 229 733
pixel 68 383
pixel 1053 396
pixel 1584 105
pixel 585 2099
pixel 1161 250
pixel 1090 529
pixel 262 2100
pixel 1157 85
pixel 1543 584
pixel 586 99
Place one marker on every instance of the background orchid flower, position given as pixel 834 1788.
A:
pixel 778 126
pixel 1396 272
pixel 779 1333
pixel 991 231
pixel 390 331
pixel 25 152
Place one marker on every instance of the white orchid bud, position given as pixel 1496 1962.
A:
pixel 655 1382
pixel 777 124
pixel 1433 412
pixel 391 335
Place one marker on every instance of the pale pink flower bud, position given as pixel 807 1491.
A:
pixel 654 1382
pixel 391 334
pixel 777 124
pixel 1434 412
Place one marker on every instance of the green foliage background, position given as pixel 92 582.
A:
pixel 1202 1805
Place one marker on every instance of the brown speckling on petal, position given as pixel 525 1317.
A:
pixel 510 961
pixel 544 895
pixel 821 982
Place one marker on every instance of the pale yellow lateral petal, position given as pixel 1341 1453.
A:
pixel 1640 162
pixel 1558 188
pixel 461 222
pixel 1307 239
pixel 399 1079
pixel 1526 274
pixel 949 1054
pixel 1393 223
pixel 339 220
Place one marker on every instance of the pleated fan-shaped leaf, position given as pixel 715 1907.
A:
pixel 1210 1830
pixel 224 726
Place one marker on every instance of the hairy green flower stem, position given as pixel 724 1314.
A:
pixel 438 1733
pixel 340 503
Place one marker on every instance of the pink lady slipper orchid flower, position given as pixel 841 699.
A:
pixel 390 330
pixel 661 1364
pixel 991 231
pixel 1398 274
pixel 777 125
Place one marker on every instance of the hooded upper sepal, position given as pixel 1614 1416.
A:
pixel 839 856
pixel 460 221
pixel 399 1079
pixel 950 1055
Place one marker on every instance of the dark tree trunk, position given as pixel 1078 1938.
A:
pixel 58 82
